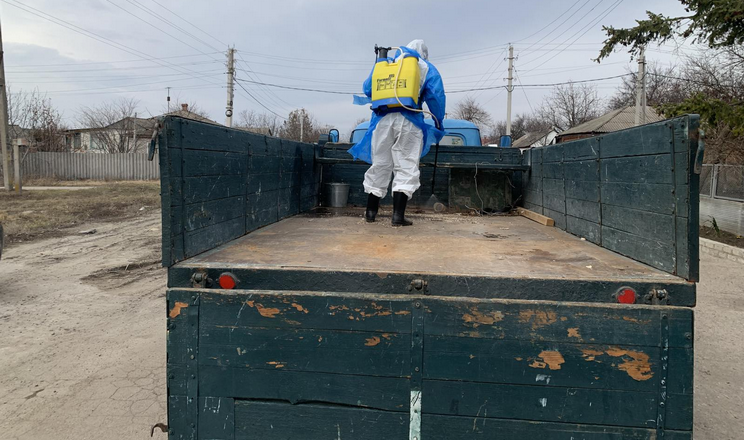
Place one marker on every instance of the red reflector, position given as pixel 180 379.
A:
pixel 227 281
pixel 626 296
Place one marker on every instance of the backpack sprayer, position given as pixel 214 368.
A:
pixel 397 83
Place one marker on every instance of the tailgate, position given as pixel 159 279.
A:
pixel 311 365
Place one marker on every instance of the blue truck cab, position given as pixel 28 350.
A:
pixel 460 133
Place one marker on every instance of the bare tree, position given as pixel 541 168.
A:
pixel 468 109
pixel 662 87
pixel 262 123
pixel 32 116
pixel 302 126
pixel 570 105
pixel 111 125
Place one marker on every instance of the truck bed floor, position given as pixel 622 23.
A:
pixel 449 244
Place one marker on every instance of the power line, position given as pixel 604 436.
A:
pixel 551 23
pixel 170 23
pixel 155 27
pixel 109 62
pixel 113 68
pixel 302 89
pixel 545 85
pixel 586 29
pixel 524 91
pixel 92 35
pixel 267 92
pixel 526 50
pixel 191 24
pixel 259 102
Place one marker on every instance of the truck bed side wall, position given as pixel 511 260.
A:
pixel 632 191
pixel 219 183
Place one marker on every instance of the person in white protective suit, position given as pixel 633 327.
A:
pixel 398 137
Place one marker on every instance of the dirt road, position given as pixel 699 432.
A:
pixel 82 353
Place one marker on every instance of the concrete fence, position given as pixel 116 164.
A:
pixel 92 166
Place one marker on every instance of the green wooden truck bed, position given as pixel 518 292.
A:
pixel 461 326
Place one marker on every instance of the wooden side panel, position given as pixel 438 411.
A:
pixel 219 183
pixel 313 365
pixel 632 191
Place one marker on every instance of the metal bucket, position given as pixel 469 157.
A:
pixel 337 194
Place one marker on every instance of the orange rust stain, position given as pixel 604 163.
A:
pixel 382 275
pixel 550 359
pixel 538 318
pixel 176 310
pixel 300 308
pixel 563 318
pixel 574 333
pixel 387 336
pixel 320 339
pixel 292 322
pixel 635 363
pixel 476 318
pixel 518 359
pixel 403 312
pixel 277 364
pixel 371 342
pixel 636 320
pixel 266 312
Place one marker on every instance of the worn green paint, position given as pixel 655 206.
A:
pixel 323 362
pixel 641 186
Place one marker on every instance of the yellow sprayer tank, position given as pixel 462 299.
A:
pixel 383 83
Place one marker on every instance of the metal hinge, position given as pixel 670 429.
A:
pixel 658 297
pixel 200 279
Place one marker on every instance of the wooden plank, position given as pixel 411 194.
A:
pixel 584 209
pixel 536 363
pixel 584 228
pixel 462 427
pixel 321 351
pixel 653 198
pixel 646 140
pixel 298 387
pixel 651 225
pixel 638 169
pixel 539 218
pixel 541 403
pixel 581 149
pixel 277 310
pixel 582 190
pixel 554 322
pixel 203 214
pixel 216 418
pixel 213 163
pixel 266 420
pixel 658 254
pixel 204 239
pixel 558 216
pixel 581 170
pixel 206 188
pixel 203 136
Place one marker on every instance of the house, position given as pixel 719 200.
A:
pixel 615 120
pixel 536 139
pixel 120 136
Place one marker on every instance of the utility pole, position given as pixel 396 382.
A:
pixel 4 118
pixel 509 89
pixel 640 103
pixel 230 79
pixel 168 99
pixel 302 125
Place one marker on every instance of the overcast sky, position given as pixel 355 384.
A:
pixel 318 44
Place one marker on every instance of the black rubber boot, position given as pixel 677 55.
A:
pixel 373 205
pixel 399 209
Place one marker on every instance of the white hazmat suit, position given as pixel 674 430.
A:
pixel 396 146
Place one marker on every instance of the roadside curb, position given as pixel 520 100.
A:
pixel 722 250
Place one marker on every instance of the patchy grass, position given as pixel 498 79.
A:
pixel 722 236
pixel 40 214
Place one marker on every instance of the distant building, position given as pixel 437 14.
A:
pixel 536 139
pixel 615 120
pixel 87 140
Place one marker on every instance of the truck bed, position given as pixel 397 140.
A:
pixel 493 246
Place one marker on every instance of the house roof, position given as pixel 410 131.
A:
pixel 615 120
pixel 185 113
pixel 530 138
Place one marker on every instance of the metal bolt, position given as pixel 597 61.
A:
pixel 416 369
pixel 191 357
pixel 193 298
pixel 661 403
pixel 193 376
pixel 418 305
pixel 688 336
